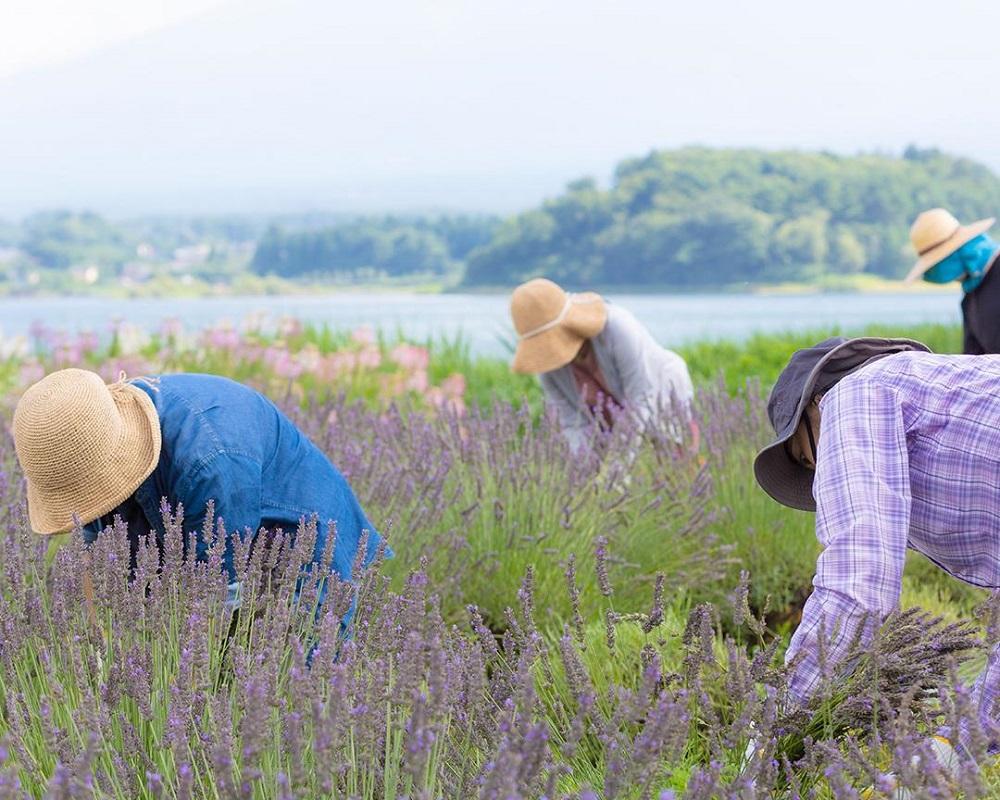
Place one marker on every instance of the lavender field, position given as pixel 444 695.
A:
pixel 550 626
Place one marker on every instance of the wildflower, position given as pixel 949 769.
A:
pixel 601 564
pixel 364 335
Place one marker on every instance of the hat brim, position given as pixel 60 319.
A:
pixel 783 479
pixel 963 235
pixel 556 347
pixel 52 511
pixel 778 474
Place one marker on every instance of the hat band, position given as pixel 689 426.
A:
pixel 571 300
pixel 951 235
pixel 552 323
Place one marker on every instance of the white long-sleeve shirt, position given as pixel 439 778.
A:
pixel 645 377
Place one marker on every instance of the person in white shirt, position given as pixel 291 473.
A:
pixel 594 358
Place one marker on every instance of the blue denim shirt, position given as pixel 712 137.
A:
pixel 223 441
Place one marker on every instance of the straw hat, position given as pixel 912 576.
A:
pixel 84 446
pixel 552 324
pixel 936 234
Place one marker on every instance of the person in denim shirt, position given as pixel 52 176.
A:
pixel 93 451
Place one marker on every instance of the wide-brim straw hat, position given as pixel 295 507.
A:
pixel 936 234
pixel 811 371
pixel 84 446
pixel 552 324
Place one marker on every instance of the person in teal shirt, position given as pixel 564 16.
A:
pixel 949 251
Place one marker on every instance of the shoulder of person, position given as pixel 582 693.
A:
pixel 619 315
pixel 204 415
pixel 621 323
pixel 891 372
pixel 198 388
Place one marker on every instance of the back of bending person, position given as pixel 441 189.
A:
pixel 894 448
pixel 594 358
pixel 95 451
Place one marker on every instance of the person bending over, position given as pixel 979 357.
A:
pixel 948 251
pixel 91 451
pixel 594 359
pixel 893 447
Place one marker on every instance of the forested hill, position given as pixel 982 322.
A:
pixel 703 217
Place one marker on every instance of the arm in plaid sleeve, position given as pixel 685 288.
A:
pixel 862 491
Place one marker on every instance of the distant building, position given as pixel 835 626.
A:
pixel 192 255
pixel 136 272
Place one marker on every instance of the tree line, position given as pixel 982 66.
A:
pixel 699 217
pixel 688 218
pixel 385 246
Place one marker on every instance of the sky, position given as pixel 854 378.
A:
pixel 37 32
pixel 281 106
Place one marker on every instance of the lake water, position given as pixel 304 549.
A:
pixel 483 319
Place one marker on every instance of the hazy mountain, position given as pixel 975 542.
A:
pixel 394 104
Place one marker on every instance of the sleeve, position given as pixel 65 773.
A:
pixel 653 379
pixel 985 694
pixel 862 492
pixel 233 481
pixel 572 420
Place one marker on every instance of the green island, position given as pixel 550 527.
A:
pixel 692 219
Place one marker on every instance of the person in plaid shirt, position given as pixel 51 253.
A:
pixel 893 447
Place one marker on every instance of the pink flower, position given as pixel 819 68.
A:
pixel 309 358
pixel 364 335
pixel 392 385
pixel 31 372
pixel 369 357
pixel 289 326
pixel 417 381
pixel 223 337
pixel 250 351
pixel 287 367
pixel 38 330
pixel 67 354
pixel 334 364
pixel 454 385
pixel 171 328
pixel 410 356
pixel 437 398
pixel 273 354
pixel 133 366
pixel 87 342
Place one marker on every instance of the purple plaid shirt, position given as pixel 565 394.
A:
pixel 908 456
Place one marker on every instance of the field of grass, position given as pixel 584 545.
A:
pixel 601 626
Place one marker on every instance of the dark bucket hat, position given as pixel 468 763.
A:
pixel 811 371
